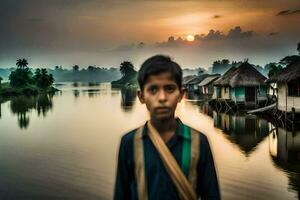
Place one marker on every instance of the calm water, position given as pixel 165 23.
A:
pixel 65 146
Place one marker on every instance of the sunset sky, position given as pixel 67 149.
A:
pixel 106 32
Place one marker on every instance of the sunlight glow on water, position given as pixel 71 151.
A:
pixel 66 146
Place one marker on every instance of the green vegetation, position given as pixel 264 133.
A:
pixel 22 81
pixel 129 77
pixel 89 74
pixel 273 69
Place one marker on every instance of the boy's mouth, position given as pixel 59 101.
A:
pixel 162 109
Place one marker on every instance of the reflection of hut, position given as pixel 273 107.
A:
pixel 206 86
pixel 244 130
pixel 206 109
pixel 285 152
pixel 288 86
pixel 242 85
pixel 287 146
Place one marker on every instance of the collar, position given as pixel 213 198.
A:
pixel 179 130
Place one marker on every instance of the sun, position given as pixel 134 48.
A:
pixel 190 38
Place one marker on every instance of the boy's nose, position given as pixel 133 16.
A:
pixel 162 96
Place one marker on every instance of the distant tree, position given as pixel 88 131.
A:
pixel 58 68
pixel 290 60
pixel 37 75
pixel 42 78
pixel 22 63
pixel 274 69
pixel 220 66
pixel 126 68
pixel 20 77
pixel 91 68
pixel 200 71
pixel 75 68
pixel 225 62
pixel 258 68
pixel 0 80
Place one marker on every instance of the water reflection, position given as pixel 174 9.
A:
pixel 284 147
pixel 75 156
pixel 22 105
pixel 128 97
pixel 247 131
pixel 76 93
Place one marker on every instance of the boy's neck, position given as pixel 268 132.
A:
pixel 164 126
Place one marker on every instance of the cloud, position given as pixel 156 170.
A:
pixel 234 33
pixel 238 33
pixel 288 12
pixel 130 47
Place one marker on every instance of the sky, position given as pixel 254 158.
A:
pixel 106 32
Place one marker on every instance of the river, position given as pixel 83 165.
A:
pixel 64 146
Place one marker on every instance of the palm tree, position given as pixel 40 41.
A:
pixel 126 68
pixel 298 48
pixel 75 67
pixel 22 63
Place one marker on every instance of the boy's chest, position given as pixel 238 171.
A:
pixel 153 163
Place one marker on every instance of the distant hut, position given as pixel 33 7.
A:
pixel 187 79
pixel 288 88
pixel 206 85
pixel 192 84
pixel 242 85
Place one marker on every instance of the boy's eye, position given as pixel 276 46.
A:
pixel 152 89
pixel 170 88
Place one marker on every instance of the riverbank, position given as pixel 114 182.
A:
pixel 7 91
pixel 127 82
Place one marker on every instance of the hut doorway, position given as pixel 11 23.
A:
pixel 250 94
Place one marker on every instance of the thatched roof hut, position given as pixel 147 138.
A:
pixel 209 79
pixel 197 79
pixel 187 79
pixel 291 72
pixel 244 75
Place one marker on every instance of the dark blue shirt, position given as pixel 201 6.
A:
pixel 159 183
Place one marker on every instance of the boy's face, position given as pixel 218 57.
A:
pixel 161 95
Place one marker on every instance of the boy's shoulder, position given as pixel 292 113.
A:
pixel 203 137
pixel 128 136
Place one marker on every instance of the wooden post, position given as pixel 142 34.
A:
pixel 286 90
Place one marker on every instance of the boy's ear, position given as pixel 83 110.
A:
pixel 141 96
pixel 182 93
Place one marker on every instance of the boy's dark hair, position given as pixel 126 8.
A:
pixel 156 65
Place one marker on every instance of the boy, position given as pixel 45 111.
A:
pixel 164 159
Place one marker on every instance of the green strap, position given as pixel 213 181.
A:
pixel 186 151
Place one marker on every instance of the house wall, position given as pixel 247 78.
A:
pixel 225 92
pixel 216 89
pixel 239 93
pixel 262 95
pixel 209 89
pixel 270 90
pixel 291 101
pixel 214 96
